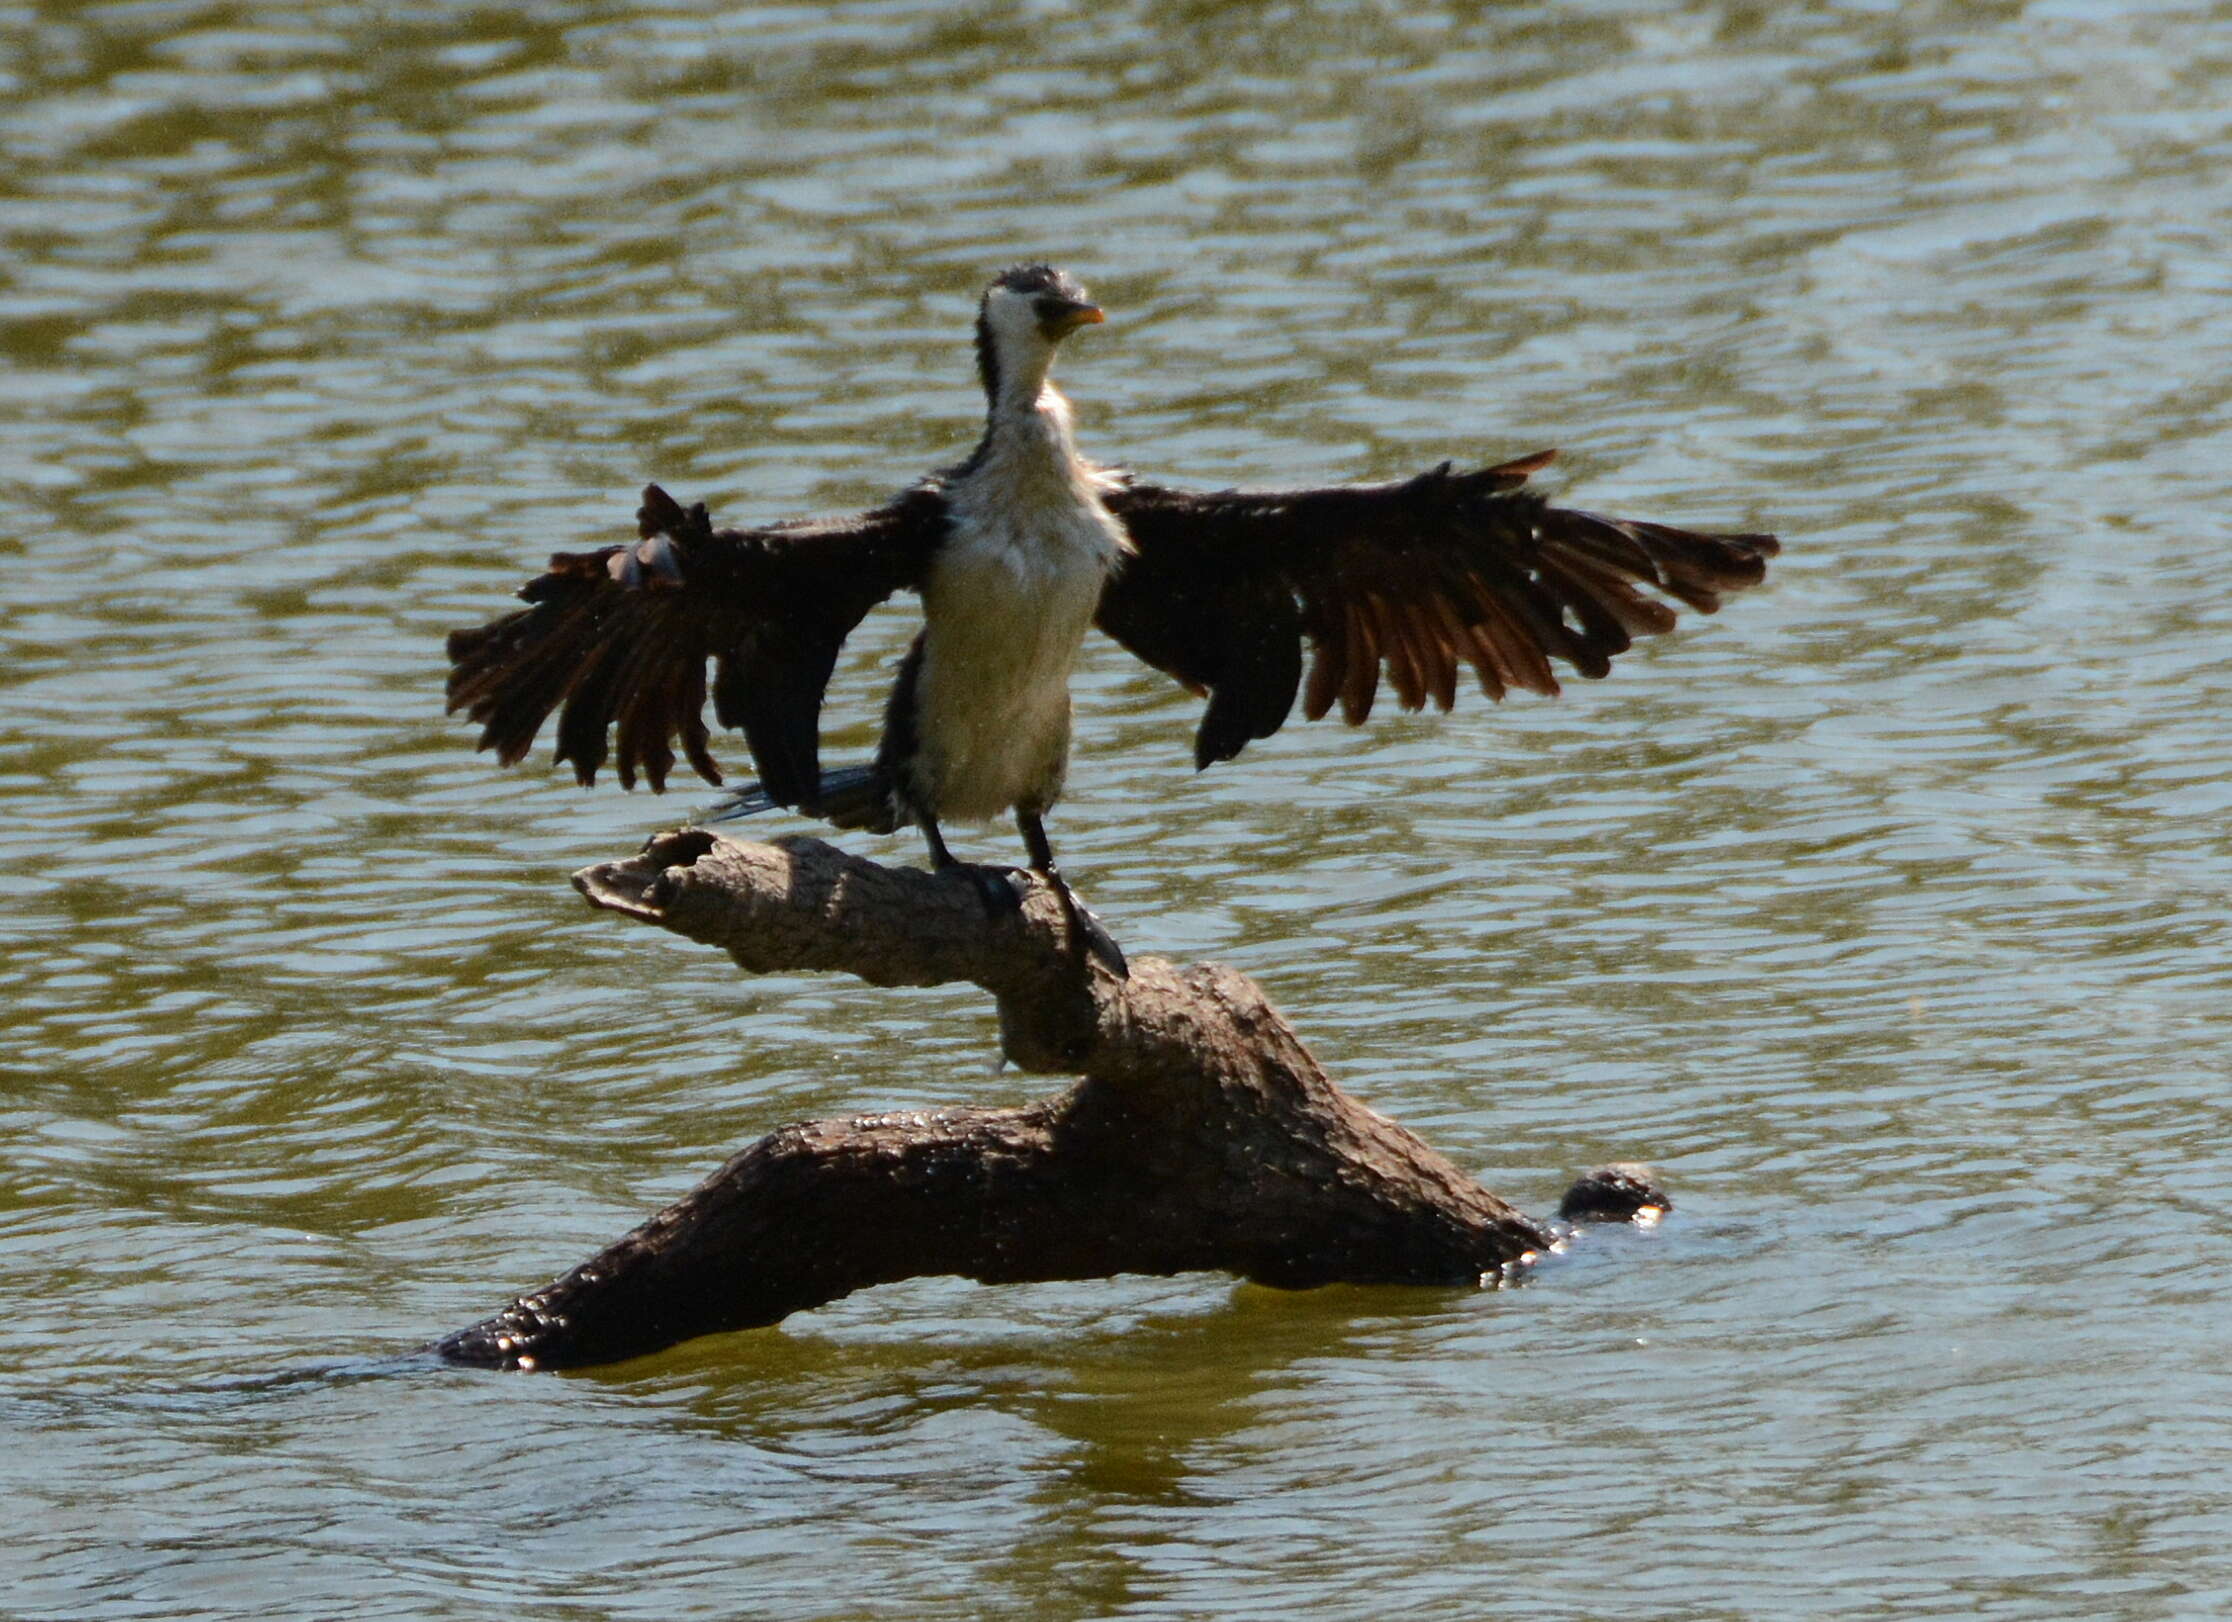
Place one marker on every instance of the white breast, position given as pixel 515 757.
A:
pixel 1005 608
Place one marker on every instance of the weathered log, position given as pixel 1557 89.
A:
pixel 1202 1135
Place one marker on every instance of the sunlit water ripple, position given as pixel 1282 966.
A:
pixel 1885 912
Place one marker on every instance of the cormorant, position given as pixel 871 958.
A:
pixel 1017 550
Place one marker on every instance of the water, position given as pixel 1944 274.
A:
pixel 1885 913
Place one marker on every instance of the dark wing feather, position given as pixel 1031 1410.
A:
pixel 616 641
pixel 1416 579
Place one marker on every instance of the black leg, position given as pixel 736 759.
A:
pixel 1000 889
pixel 940 857
pixel 1085 929
pixel 1033 828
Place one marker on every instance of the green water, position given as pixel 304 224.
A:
pixel 1885 913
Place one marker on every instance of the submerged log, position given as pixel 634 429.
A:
pixel 1201 1136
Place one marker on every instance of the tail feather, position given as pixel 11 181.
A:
pixel 849 797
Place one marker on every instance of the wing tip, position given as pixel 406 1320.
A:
pixel 1519 468
pixel 659 514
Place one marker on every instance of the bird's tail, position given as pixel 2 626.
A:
pixel 849 797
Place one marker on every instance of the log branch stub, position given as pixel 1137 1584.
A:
pixel 1624 1191
pixel 1202 1135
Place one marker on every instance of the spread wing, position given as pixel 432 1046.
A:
pixel 1418 577
pixel 619 639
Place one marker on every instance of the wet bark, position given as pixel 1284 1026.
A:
pixel 1201 1135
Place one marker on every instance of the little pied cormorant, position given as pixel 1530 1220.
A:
pixel 1017 550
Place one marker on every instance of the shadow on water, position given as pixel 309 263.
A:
pixel 210 1396
pixel 1129 1420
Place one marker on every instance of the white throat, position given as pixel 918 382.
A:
pixel 1029 467
pixel 1024 369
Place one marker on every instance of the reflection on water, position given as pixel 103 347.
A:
pixel 1885 914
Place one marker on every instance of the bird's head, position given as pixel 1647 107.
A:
pixel 1025 313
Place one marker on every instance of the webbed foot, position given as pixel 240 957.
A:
pixel 1001 889
pixel 1088 932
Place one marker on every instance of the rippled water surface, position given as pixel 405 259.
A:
pixel 1885 913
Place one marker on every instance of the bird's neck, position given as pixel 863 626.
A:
pixel 1016 383
pixel 1028 442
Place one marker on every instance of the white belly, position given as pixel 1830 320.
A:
pixel 1005 609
